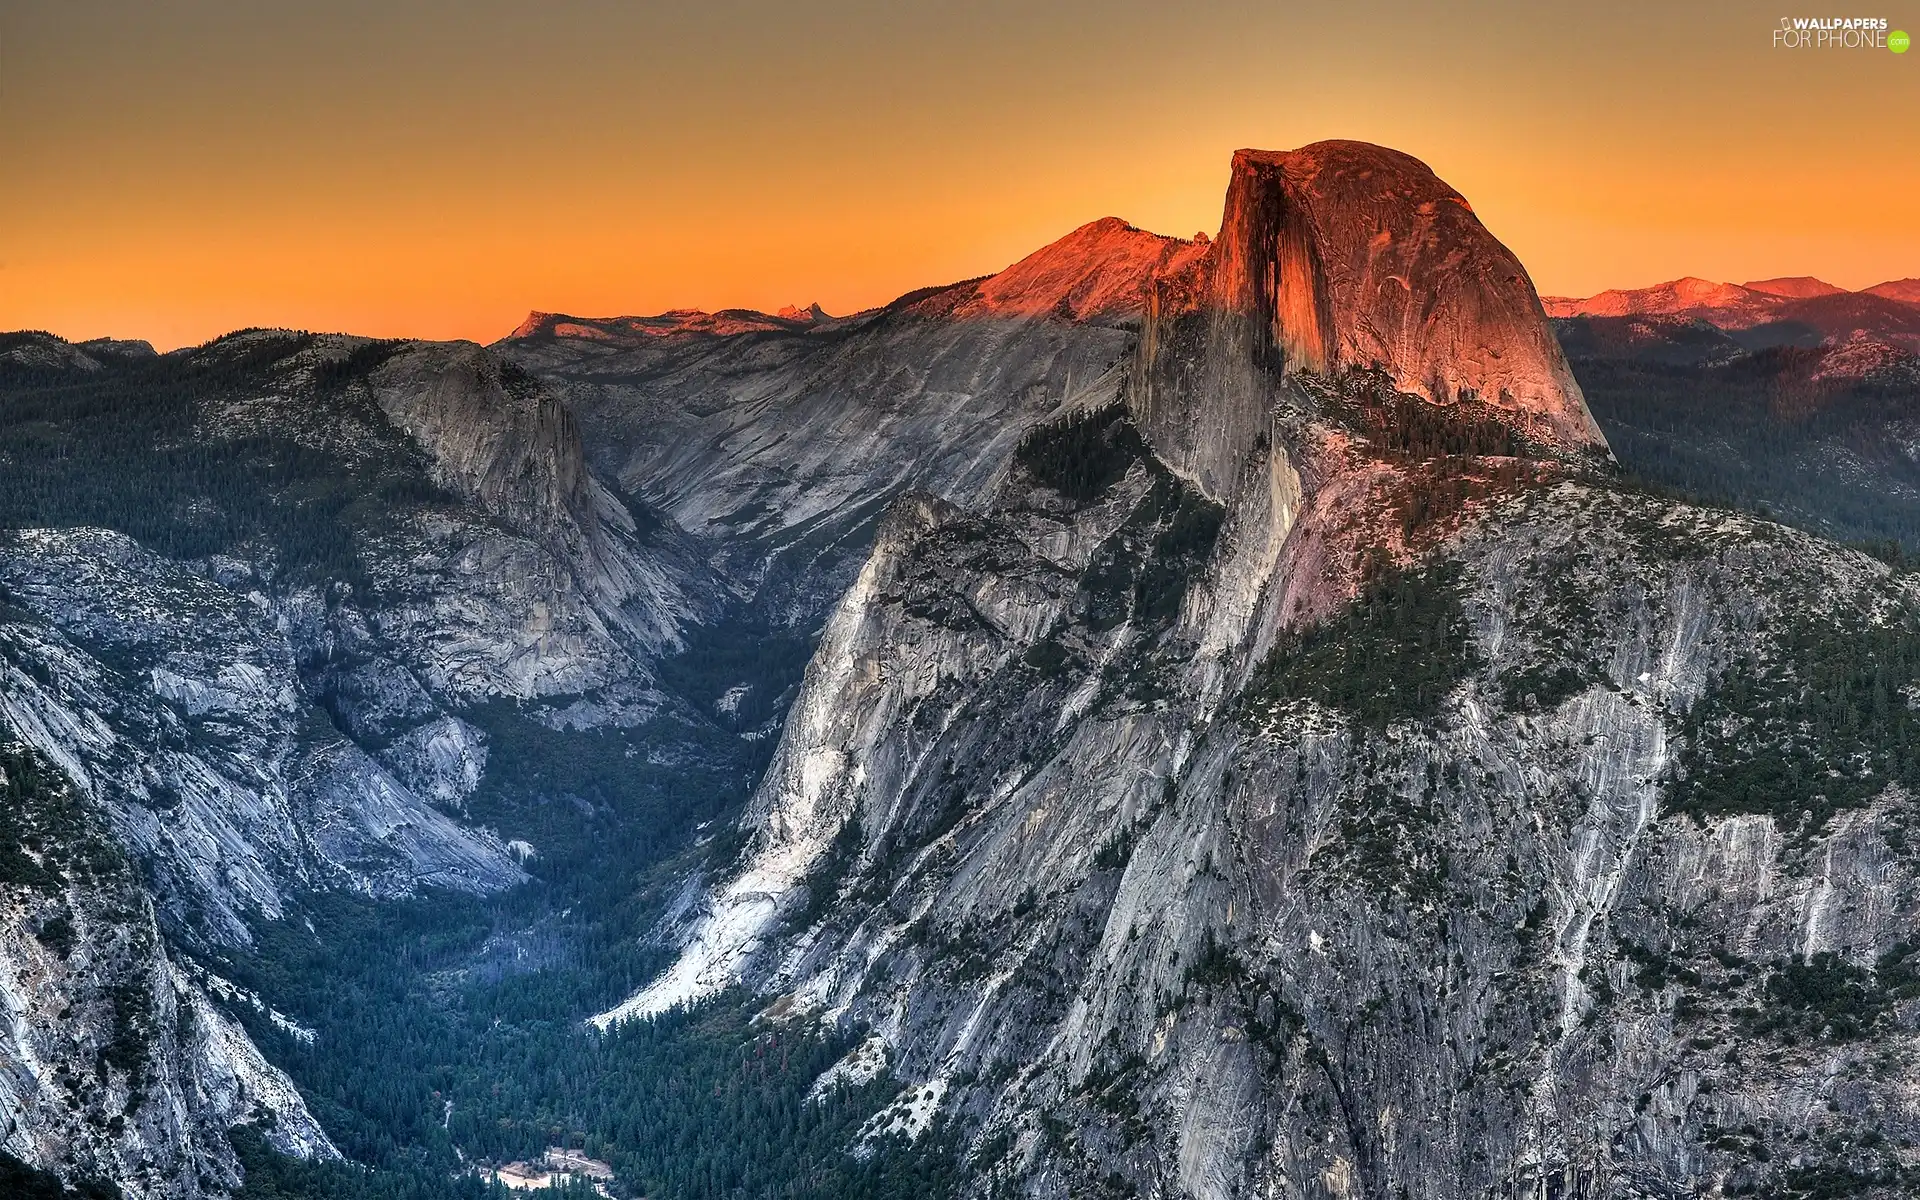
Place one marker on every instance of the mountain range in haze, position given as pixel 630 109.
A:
pixel 1101 269
pixel 1791 310
pixel 1797 307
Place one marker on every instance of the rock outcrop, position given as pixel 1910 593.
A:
pixel 784 440
pixel 286 709
pixel 511 447
pixel 1323 805
pixel 1343 255
pixel 115 1062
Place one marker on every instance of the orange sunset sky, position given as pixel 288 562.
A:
pixel 171 169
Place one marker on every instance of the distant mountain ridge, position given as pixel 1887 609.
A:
pixel 1099 273
pixel 1691 293
pixel 1793 310
pixel 1787 396
pixel 1249 741
pixel 1301 772
pixel 1795 287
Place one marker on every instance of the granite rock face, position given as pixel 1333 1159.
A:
pixel 1339 255
pixel 782 441
pixel 115 1062
pixel 511 447
pixel 177 707
pixel 1255 944
pixel 241 727
pixel 251 730
pixel 1325 805
pixel 1251 748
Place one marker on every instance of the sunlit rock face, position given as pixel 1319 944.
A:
pixel 1092 807
pixel 783 439
pixel 1243 380
pixel 1343 254
pixel 1690 296
pixel 1102 271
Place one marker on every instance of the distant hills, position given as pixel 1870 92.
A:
pixel 1788 396
pixel 1789 311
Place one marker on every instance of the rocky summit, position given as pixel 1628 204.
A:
pixel 1173 718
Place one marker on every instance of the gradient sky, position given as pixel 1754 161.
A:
pixel 171 169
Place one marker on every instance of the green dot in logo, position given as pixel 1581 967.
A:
pixel 1898 41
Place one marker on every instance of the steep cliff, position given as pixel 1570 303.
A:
pixel 1315 779
pixel 115 1063
pixel 177 707
pixel 1334 256
pixel 260 605
pixel 783 440
pixel 367 541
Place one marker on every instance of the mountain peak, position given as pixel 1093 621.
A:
pixel 1905 290
pixel 1794 287
pixel 675 322
pixel 1346 254
pixel 537 322
pixel 1099 272
pixel 1688 296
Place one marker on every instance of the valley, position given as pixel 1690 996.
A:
pixel 1283 713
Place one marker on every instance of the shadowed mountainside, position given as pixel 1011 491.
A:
pixel 1253 744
